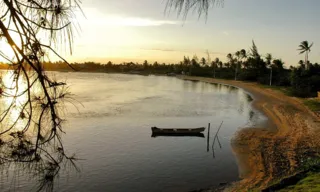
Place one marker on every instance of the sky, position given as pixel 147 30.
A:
pixel 138 30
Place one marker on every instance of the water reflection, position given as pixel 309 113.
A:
pixel 215 140
pixel 27 148
pixel 119 153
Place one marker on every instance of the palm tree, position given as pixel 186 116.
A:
pixel 230 58
pixel 238 55
pixel 268 61
pixel 217 60
pixel 145 64
pixel 304 47
pixel 203 61
pixel 243 54
pixel 215 63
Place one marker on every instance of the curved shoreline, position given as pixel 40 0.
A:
pixel 265 154
pixel 264 99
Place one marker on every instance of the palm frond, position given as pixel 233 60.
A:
pixel 304 46
pixel 309 48
pixel 302 51
pixel 184 6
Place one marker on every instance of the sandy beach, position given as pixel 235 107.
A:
pixel 279 149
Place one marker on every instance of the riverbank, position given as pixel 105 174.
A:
pixel 285 146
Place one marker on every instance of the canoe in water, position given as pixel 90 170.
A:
pixel 156 130
pixel 177 135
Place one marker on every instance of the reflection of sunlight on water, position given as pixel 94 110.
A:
pixel 14 105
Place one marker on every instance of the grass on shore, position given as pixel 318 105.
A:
pixel 283 89
pixel 309 183
pixel 313 104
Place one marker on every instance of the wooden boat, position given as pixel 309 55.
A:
pixel 177 135
pixel 178 131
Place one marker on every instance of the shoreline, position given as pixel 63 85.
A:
pixel 277 150
pixel 260 97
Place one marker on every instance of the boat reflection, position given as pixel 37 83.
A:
pixel 215 140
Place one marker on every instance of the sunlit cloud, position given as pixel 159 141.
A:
pixel 138 22
pixel 96 18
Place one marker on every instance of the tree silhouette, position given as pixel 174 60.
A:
pixel 269 63
pixel 33 30
pixel 254 51
pixel 243 55
pixel 203 61
pixel 304 47
pixel 230 59
pixel 301 63
pixel 238 55
pixel 184 6
pixel 215 63
pixel 278 63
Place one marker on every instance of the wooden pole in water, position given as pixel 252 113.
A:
pixel 208 139
pixel 214 139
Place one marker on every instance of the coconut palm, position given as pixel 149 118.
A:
pixel 203 61
pixel 243 54
pixel 304 47
pixel 214 65
pixel 231 61
pixel 268 61
pixel 230 58
pixel 238 55
pixel 217 60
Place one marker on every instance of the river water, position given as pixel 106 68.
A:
pixel 109 130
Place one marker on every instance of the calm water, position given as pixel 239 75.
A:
pixel 110 131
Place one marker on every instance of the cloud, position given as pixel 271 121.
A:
pixel 138 22
pixel 119 21
pixel 95 17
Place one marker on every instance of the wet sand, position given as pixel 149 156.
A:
pixel 269 152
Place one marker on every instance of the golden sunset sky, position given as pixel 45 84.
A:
pixel 131 30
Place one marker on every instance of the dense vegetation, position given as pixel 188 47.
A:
pixel 302 80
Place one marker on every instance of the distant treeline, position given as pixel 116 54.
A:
pixel 302 81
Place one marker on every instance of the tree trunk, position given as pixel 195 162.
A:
pixel 236 72
pixel 271 76
pixel 308 64
pixel 306 61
